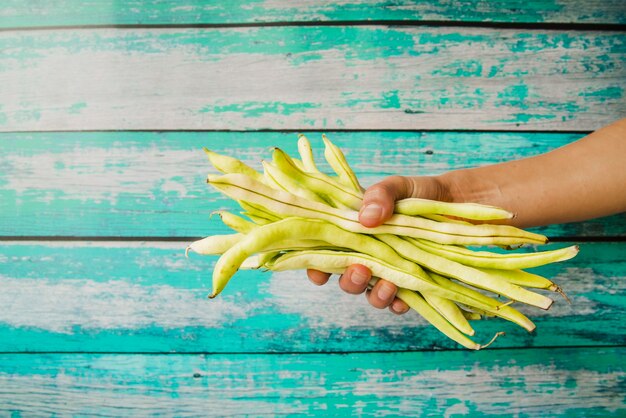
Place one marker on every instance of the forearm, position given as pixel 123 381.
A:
pixel 582 180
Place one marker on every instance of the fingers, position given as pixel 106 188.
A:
pixel 317 277
pixel 398 307
pixel 355 279
pixel 382 294
pixel 379 199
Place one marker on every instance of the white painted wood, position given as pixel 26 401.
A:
pixel 324 78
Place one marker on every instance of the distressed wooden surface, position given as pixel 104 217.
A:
pixel 153 184
pixel 118 313
pixel 567 382
pixel 18 13
pixel 147 297
pixel 369 77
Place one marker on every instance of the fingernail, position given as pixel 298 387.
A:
pixel 397 307
pixel 373 211
pixel 358 278
pixel 386 292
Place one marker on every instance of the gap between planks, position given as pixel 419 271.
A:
pixel 71 238
pixel 296 131
pixel 610 27
pixel 312 352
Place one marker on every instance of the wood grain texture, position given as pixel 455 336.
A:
pixel 530 383
pixel 17 13
pixel 369 77
pixel 153 184
pixel 147 297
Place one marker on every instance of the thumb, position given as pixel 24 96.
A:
pixel 379 199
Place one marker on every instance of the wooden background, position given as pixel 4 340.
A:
pixel 104 108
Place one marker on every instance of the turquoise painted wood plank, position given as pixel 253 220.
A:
pixel 581 382
pixel 16 13
pixel 147 297
pixel 153 184
pixel 368 77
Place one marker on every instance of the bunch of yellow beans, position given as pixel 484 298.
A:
pixel 300 217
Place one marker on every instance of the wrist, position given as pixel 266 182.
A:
pixel 465 186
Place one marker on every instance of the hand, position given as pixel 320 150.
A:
pixel 378 205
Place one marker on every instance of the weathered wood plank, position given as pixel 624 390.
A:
pixel 146 297
pixel 153 184
pixel 17 13
pixel 311 77
pixel 531 383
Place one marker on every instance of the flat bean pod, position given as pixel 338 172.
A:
pixel 416 206
pixel 214 244
pixel 464 273
pixel 495 260
pixel 306 154
pixel 262 238
pixel 236 223
pixel 330 190
pixel 240 187
pixel 337 160
pixel 226 164
pixel 450 311
pixel 336 262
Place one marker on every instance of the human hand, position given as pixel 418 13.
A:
pixel 378 205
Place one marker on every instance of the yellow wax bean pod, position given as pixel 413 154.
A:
pixel 337 160
pixel 526 279
pixel 214 244
pixel 291 185
pixel 306 154
pixel 491 260
pixel 226 164
pixel 259 211
pixel 240 187
pixel 328 190
pixel 471 316
pixel 336 262
pixel 298 163
pixel 257 220
pixel 450 311
pixel 417 206
pixel 264 237
pixel 418 303
pixel 234 222
pixel 466 274
pixel 253 262
pixel 442 218
pixel 490 307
